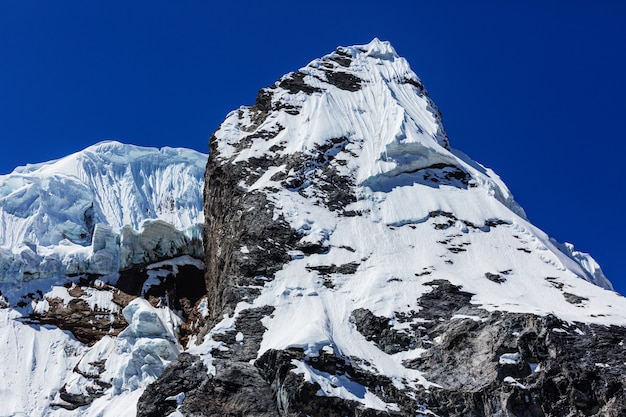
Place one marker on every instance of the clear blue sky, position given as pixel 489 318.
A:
pixel 537 92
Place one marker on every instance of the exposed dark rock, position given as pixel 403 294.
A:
pixel 550 368
pixel 497 278
pixel 295 83
pixel 554 282
pixel 495 222
pixel 456 249
pixel 296 397
pixel 236 389
pixel 316 176
pixel 263 103
pixel 237 219
pixel 186 374
pixel 415 83
pixel 378 330
pixel 573 298
pixel 344 80
pixel 443 301
pixel 73 401
pixel 342 57
pixel 326 270
pixel 76 316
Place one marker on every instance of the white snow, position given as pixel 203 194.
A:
pixel 35 361
pixel 509 358
pixel 121 184
pixel 131 361
pixel 513 381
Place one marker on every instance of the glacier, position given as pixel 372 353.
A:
pixel 69 229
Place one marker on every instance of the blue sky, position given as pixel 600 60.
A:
pixel 535 91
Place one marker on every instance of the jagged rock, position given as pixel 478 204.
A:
pixel 296 397
pixel 236 388
pixel 239 220
pixel 555 368
pixel 378 330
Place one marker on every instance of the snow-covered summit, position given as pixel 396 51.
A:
pixel 110 182
pixel 366 93
pixel 371 116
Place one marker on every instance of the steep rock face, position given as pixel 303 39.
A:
pixel 357 265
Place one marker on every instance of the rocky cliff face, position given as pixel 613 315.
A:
pixel 357 265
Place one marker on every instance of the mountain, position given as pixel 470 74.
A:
pixel 344 259
pixel 358 265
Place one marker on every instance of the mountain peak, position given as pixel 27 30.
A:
pixel 347 243
pixel 355 135
pixel 378 49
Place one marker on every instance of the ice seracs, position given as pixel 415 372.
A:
pixel 110 183
pixel 99 209
pixel 80 239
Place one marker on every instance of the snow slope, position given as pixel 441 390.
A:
pixel 41 361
